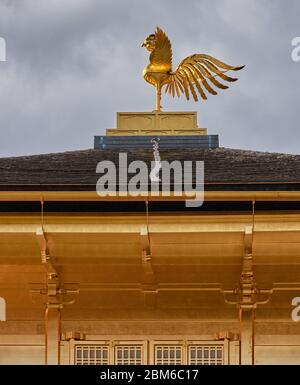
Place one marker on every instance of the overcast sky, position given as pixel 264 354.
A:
pixel 72 64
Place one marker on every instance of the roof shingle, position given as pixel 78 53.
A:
pixel 222 166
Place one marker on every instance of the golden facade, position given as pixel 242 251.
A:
pixel 142 280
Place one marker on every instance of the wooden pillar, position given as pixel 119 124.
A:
pixel 248 300
pixel 246 318
pixel 52 334
pixel 55 295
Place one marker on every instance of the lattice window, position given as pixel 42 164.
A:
pixel 205 355
pixel 128 355
pixel 91 355
pixel 154 352
pixel 168 355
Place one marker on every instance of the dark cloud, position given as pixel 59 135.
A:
pixel 71 64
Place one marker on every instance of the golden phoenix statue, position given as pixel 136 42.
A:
pixel 191 74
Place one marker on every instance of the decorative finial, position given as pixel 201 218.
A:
pixel 193 73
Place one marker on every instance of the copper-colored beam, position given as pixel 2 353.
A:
pixel 92 196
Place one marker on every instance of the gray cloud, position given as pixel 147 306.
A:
pixel 71 64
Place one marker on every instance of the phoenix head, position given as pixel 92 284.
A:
pixel 150 42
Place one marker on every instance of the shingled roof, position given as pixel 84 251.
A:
pixel 76 170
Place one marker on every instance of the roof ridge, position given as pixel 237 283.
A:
pixel 177 150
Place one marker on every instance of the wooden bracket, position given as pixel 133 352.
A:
pixel 73 335
pixel 42 241
pixel 247 290
pixel 221 336
pixel 53 290
pixel 148 285
pixel 245 295
pixel 56 295
pixel 248 239
pixel 145 240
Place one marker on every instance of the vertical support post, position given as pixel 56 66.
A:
pixel 52 335
pixel 246 318
pixel 158 96
pixel 247 303
pixel 55 301
pixel 247 299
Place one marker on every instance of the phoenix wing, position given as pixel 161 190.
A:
pixel 196 72
pixel 161 57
